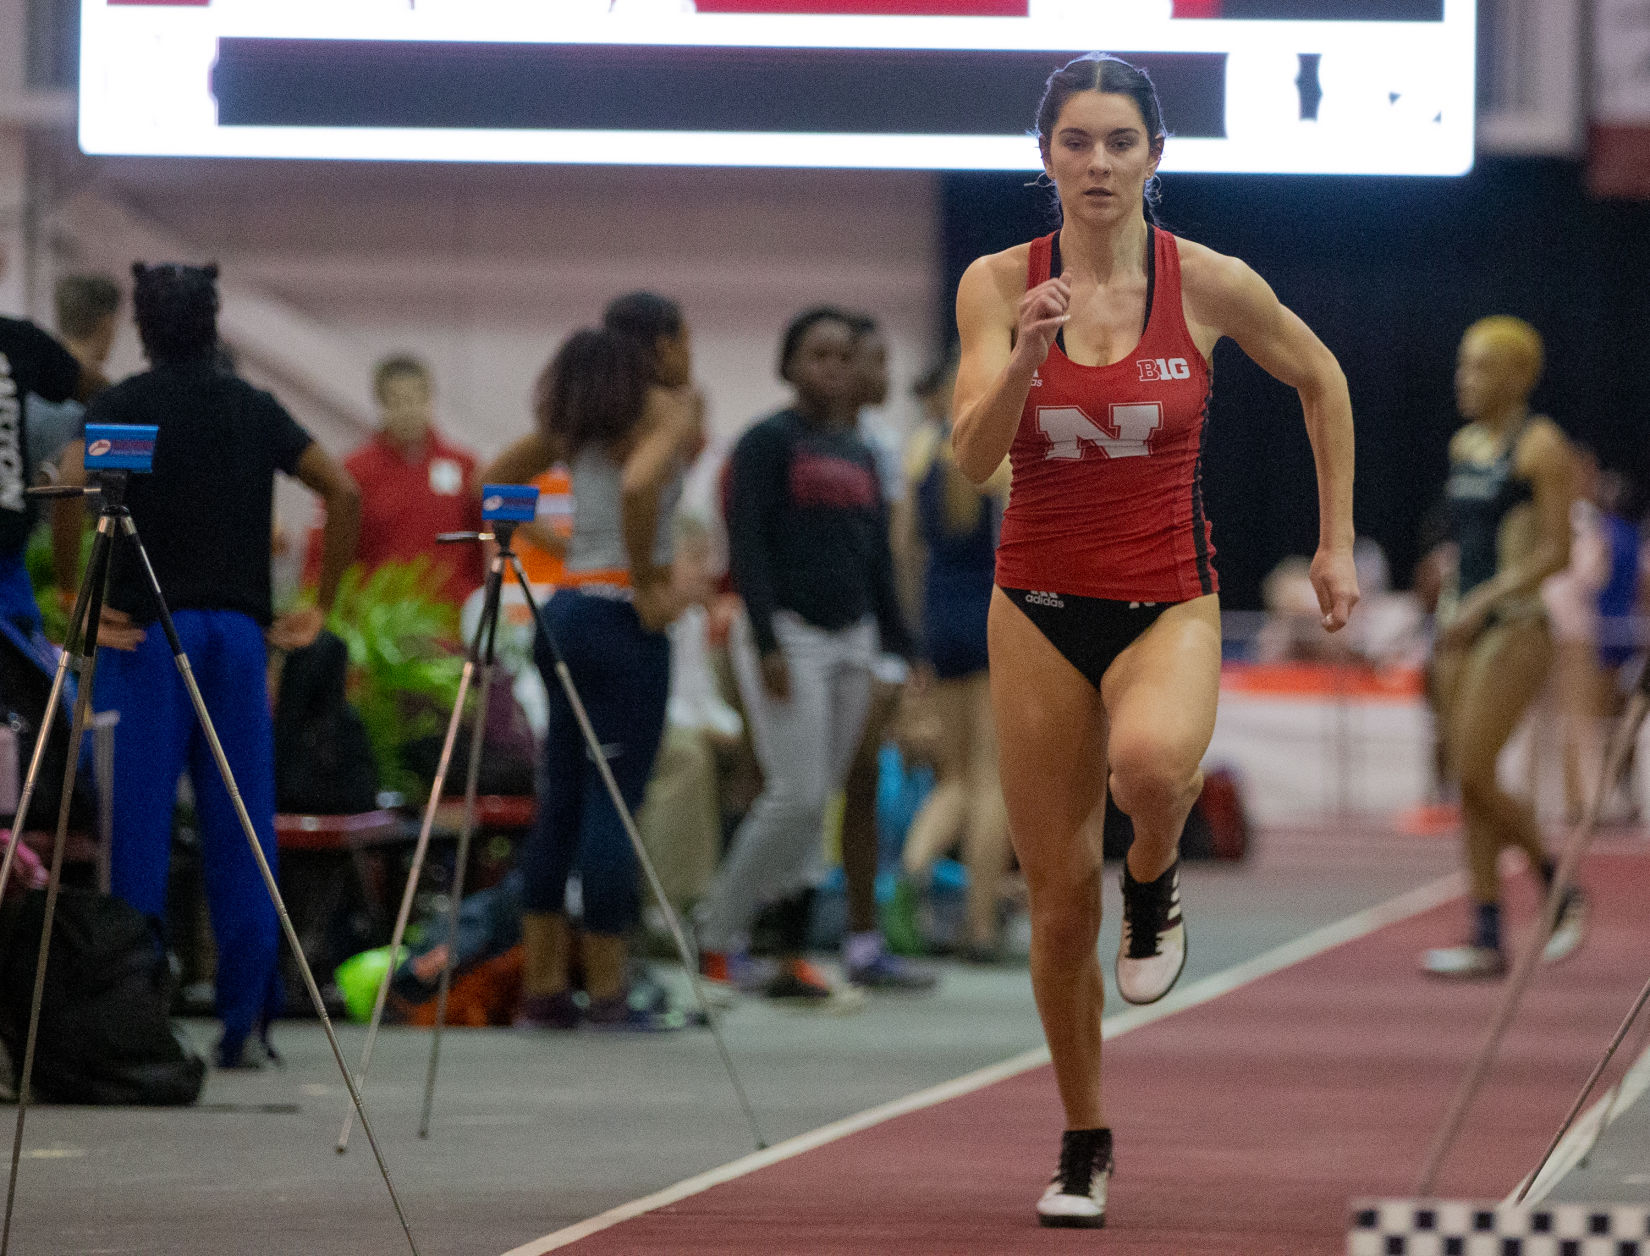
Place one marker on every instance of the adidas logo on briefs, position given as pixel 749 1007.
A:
pixel 1046 599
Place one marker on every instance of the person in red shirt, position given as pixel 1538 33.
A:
pixel 414 484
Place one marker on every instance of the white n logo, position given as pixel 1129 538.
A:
pixel 1067 428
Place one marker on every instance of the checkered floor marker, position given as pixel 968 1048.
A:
pixel 1434 1227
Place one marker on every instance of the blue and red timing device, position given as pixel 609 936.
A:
pixel 513 503
pixel 119 447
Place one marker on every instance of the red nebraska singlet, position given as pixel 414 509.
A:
pixel 1107 495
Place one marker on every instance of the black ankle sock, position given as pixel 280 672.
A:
pixel 1097 1140
pixel 1081 1153
pixel 1129 877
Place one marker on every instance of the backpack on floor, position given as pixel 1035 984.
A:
pixel 1217 828
pixel 508 760
pixel 105 1037
pixel 324 763
pixel 28 664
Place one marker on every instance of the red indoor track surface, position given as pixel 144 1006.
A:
pixel 1244 1125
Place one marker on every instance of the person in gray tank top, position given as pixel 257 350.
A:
pixel 617 410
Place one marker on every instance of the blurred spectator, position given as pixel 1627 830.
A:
pixel 1390 628
pixel 954 527
pixel 808 539
pixel 86 310
pixel 219 446
pixel 1589 605
pixel 42 384
pixel 681 820
pixel 622 416
pixel 414 484
pixel 866 955
pixel 542 544
pixel 1294 624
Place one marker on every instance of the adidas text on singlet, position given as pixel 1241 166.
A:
pixel 1107 496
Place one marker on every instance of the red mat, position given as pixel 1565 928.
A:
pixel 1244 1125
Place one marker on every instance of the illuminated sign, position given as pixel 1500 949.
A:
pixel 1260 86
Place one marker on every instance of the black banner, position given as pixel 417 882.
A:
pixel 624 87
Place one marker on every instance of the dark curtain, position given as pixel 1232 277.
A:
pixel 1389 272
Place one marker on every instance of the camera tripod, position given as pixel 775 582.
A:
pixel 504 506
pixel 131 450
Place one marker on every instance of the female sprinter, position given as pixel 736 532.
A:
pixel 1511 486
pixel 1085 355
pixel 953 526
pixel 625 438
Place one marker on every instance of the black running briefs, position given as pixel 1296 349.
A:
pixel 1089 631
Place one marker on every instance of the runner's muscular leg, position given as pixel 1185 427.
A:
pixel 1050 729
pixel 1160 698
pixel 1504 671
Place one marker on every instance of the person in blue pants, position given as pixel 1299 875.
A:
pixel 204 516
pixel 619 409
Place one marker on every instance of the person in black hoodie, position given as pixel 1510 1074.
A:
pixel 809 555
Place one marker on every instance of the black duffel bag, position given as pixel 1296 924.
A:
pixel 105 1036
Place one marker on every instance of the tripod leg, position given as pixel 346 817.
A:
pixel 462 857
pixel 414 873
pixel 77 625
pixel 689 959
pixel 421 849
pixel 247 827
pixel 1529 959
pixel 89 604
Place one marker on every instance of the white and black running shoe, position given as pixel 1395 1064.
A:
pixel 1153 951
pixel 1568 929
pixel 1468 962
pixel 1076 1198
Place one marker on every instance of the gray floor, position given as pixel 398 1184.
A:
pixel 534 1132
pixel 1617 1170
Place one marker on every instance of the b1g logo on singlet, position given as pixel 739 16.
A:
pixel 1132 425
pixel 1152 369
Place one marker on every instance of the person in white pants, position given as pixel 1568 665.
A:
pixel 808 553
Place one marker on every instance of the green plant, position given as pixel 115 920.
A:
pixel 405 659
pixel 37 560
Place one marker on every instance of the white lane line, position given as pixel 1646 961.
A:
pixel 1586 1132
pixel 1416 901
